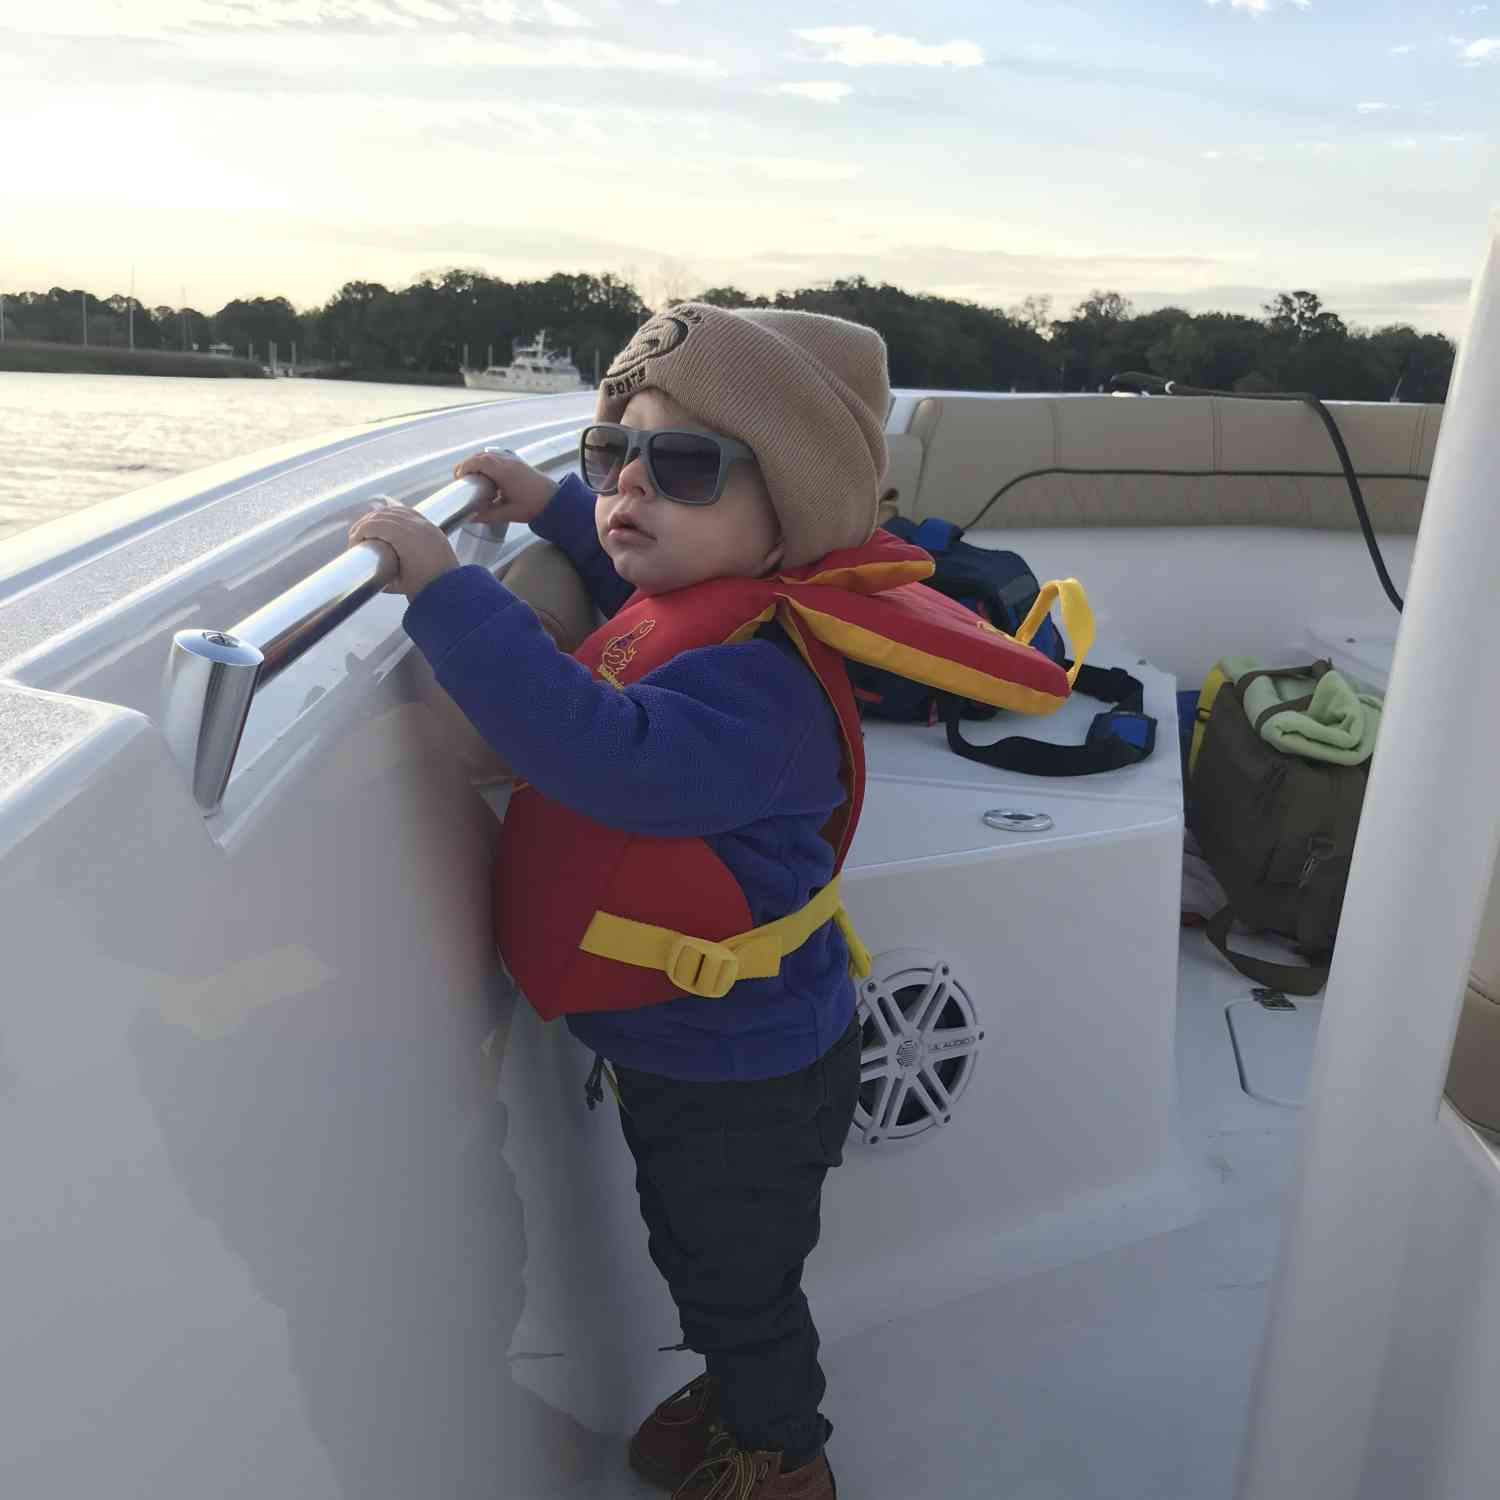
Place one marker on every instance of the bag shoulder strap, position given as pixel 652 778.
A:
pixel 1298 979
pixel 1109 747
pixel 1317 670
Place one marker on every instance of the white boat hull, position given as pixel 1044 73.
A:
pixel 527 385
pixel 305 1201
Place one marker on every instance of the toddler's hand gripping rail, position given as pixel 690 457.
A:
pixel 213 675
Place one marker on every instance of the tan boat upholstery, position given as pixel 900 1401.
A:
pixel 1474 1072
pixel 547 581
pixel 1160 461
pixel 903 472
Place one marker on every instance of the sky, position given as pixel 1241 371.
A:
pixel 1201 153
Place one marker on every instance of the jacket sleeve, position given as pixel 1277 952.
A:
pixel 568 523
pixel 705 744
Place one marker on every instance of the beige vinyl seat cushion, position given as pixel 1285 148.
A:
pixel 1165 461
pixel 1474 1072
pixel 549 583
pixel 541 575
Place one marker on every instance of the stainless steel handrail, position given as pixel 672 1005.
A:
pixel 212 676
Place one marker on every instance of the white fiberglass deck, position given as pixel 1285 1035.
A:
pixel 1124 1375
pixel 1121 1376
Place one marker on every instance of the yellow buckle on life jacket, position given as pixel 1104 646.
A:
pixel 699 966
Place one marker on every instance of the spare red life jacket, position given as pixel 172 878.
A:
pixel 590 917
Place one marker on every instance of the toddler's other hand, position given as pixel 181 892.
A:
pixel 521 492
pixel 422 551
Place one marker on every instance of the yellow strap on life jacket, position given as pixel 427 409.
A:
pixel 1077 617
pixel 701 967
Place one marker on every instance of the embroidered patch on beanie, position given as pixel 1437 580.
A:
pixel 665 332
pixel 808 393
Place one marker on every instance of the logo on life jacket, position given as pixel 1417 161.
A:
pixel 620 652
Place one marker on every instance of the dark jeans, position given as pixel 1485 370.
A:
pixel 730 1177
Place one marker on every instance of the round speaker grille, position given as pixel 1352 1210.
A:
pixel 920 1044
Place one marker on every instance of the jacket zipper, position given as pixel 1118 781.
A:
pixel 1319 848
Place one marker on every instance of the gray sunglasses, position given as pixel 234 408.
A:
pixel 685 464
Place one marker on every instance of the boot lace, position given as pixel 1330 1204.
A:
pixel 739 1474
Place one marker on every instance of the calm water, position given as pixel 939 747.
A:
pixel 68 441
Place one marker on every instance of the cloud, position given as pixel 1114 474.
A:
pixel 864 47
pixel 458 241
pixel 294 57
pixel 587 53
pixel 802 169
pixel 995 277
pixel 479 123
pixel 563 15
pixel 1473 52
pixel 1373 107
pixel 1260 7
pixel 824 93
pixel 1427 304
pixel 1400 51
pixel 163 19
pixel 1432 289
pixel 425 10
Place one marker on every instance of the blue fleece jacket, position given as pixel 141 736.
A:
pixel 736 744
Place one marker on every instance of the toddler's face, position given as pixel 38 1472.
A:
pixel 658 544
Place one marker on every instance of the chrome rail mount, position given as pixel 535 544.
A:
pixel 212 676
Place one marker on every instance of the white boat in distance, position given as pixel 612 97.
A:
pixel 534 369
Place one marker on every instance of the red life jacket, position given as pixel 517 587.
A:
pixel 590 917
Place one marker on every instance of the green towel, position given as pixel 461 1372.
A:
pixel 1338 726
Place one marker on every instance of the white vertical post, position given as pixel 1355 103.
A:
pixel 1421 875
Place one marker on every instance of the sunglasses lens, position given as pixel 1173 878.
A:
pixel 604 450
pixel 687 466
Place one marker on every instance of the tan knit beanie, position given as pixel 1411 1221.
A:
pixel 808 393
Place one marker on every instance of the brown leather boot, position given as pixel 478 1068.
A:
pixel 730 1473
pixel 676 1437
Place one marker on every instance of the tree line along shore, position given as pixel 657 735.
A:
pixel 94 359
pixel 426 332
